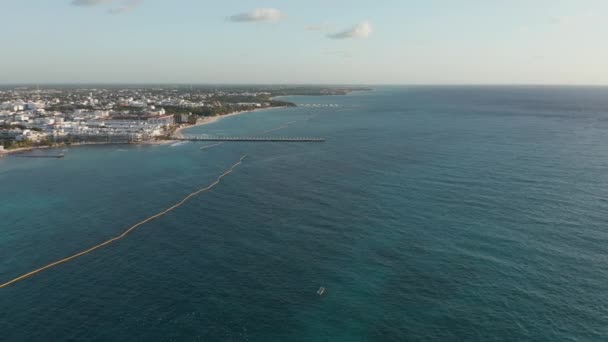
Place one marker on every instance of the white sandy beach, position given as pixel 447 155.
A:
pixel 211 119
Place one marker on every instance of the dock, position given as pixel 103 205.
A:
pixel 39 156
pixel 253 139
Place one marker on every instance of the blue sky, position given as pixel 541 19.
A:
pixel 312 41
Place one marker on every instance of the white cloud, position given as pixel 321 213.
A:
pixel 362 30
pixel 89 2
pixel 258 15
pixel 127 7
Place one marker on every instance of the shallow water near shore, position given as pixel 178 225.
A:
pixel 430 213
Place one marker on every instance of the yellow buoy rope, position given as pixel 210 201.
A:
pixel 126 232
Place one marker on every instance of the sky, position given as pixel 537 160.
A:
pixel 311 41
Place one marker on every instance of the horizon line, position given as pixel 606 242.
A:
pixel 308 84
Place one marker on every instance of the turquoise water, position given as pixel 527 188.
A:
pixel 431 213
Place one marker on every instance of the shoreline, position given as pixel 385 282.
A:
pixel 177 134
pixel 35 148
pixel 212 119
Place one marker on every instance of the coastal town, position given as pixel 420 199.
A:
pixel 49 116
pixel 31 116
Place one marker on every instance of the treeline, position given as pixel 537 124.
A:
pixel 206 111
pixel 9 126
pixel 223 109
pixel 315 91
pixel 276 90
pixel 20 126
pixel 279 103
pixel 13 144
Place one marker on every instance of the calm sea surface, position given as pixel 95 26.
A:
pixel 431 213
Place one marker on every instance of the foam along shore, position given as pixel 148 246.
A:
pixel 206 120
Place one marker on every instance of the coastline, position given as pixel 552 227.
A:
pixel 34 148
pixel 211 119
pixel 177 134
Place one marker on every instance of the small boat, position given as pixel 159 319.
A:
pixel 321 291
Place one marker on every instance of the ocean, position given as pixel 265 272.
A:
pixel 429 214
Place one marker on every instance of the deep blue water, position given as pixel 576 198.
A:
pixel 431 213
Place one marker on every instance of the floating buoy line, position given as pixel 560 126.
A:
pixel 126 232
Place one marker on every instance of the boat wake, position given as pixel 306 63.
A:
pixel 179 143
pixel 210 146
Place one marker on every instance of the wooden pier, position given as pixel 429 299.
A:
pixel 39 156
pixel 253 139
